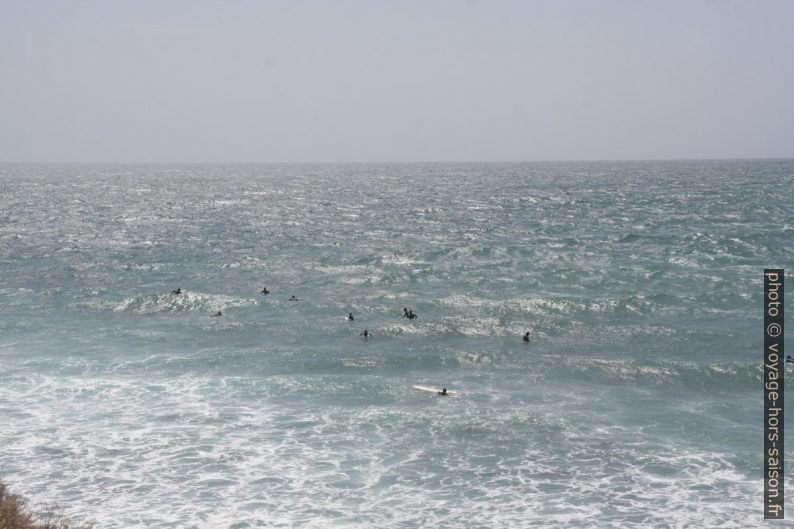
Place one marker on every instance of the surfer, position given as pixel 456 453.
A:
pixel 219 313
pixel 365 334
pixel 177 291
pixel 443 392
pixel 265 291
pixel 526 337
pixel 789 360
pixel 411 315
pixel 350 317
pixel 405 313
pixel 293 298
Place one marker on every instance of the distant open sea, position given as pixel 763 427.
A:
pixel 637 401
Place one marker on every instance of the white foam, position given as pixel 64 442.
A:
pixel 186 301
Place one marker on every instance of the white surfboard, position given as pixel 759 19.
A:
pixel 430 389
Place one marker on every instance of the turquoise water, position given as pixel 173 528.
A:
pixel 637 402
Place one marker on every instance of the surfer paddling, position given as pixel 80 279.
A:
pixel 438 392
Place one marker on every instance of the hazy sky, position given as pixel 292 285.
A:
pixel 373 80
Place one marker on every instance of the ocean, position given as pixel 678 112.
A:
pixel 637 401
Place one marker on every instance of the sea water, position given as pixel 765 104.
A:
pixel 637 401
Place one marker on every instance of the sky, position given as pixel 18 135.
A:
pixel 395 81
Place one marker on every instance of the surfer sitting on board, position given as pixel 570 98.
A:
pixel 265 291
pixel 526 337
pixel 293 298
pixel 350 317
pixel 443 392
pixel 365 334
pixel 405 313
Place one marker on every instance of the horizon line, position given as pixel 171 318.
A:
pixel 396 162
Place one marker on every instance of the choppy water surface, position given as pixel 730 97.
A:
pixel 637 402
